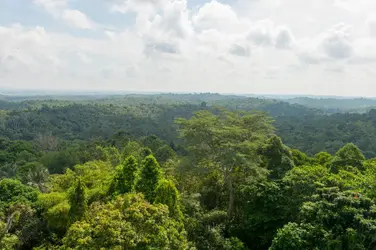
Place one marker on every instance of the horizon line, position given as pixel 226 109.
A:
pixel 83 92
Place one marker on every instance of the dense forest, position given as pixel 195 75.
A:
pixel 335 105
pixel 192 171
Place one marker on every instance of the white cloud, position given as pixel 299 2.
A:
pixel 52 6
pixel 371 24
pixel 261 33
pixel 175 20
pixel 26 48
pixel 284 38
pixel 240 50
pixel 274 46
pixel 168 48
pixel 62 59
pixel 165 27
pixel 169 25
pixel 125 6
pixel 59 9
pixel 356 6
pixel 337 42
pixel 222 17
pixel 77 19
pixel 83 57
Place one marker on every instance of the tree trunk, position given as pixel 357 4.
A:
pixel 9 223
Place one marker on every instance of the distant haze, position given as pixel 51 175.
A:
pixel 110 93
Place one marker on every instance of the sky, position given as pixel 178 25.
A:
pixel 315 47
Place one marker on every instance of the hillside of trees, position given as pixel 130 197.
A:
pixel 336 105
pixel 86 118
pixel 195 172
pixel 315 133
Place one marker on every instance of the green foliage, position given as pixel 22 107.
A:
pixel 126 223
pixel 153 142
pixel 125 177
pixel 14 192
pixel 336 105
pixel 331 220
pixel 166 193
pixel 300 184
pixel 96 176
pixel 57 162
pixel 368 185
pixel 77 198
pixel 293 236
pixel 133 148
pixel 206 229
pixel 227 138
pixel 277 157
pixel 228 182
pixel 33 174
pixel 300 158
pixel 55 209
pixel 134 116
pixel 150 176
pixel 264 210
pixel 110 154
pixel 164 153
pixel 14 155
pixel 212 190
pixel 349 155
pixel 322 158
pixel 227 142
pixel 315 133
pixel 16 151
pixel 130 172
pixel 7 240
pixel 22 222
pixel 58 216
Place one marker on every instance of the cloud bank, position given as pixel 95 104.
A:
pixel 319 47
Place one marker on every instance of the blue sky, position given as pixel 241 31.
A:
pixel 241 46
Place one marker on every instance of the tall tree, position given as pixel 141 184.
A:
pixel 322 158
pixel 348 155
pixel 125 177
pixel 128 222
pixel 132 148
pixel 77 201
pixel 331 220
pixel 278 158
pixel 300 158
pixel 130 172
pixel 227 141
pixel 166 193
pixel 151 174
